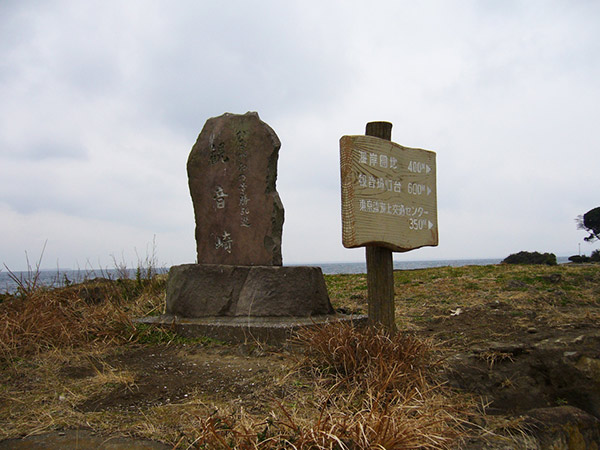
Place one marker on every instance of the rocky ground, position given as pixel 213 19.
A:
pixel 520 343
pixel 525 339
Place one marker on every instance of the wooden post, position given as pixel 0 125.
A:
pixel 380 268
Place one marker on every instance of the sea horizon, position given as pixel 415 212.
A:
pixel 63 276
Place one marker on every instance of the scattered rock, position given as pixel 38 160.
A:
pixel 553 278
pixel 590 367
pixel 516 285
pixel 564 427
pixel 518 377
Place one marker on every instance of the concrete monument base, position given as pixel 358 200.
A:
pixel 215 290
pixel 238 304
pixel 236 330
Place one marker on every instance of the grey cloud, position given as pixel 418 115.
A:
pixel 40 150
pixel 102 102
pixel 237 60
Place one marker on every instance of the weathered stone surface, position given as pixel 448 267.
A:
pixel 200 290
pixel 205 290
pixel 564 427
pixel 232 170
pixel 274 331
pixel 284 291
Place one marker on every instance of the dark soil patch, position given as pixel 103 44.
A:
pixel 172 374
pixel 470 325
pixel 79 440
pixel 517 359
pixel 92 366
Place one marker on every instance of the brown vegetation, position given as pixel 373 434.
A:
pixel 71 358
pixel 97 311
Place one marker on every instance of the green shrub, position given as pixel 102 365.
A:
pixel 595 257
pixel 531 258
pixel 579 259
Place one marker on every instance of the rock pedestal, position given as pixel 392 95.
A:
pixel 196 290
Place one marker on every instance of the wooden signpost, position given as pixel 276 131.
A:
pixel 389 203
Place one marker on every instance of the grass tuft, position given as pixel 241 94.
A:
pixel 369 357
pixel 375 392
pixel 47 319
pixel 95 311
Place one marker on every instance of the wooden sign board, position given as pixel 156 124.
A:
pixel 389 196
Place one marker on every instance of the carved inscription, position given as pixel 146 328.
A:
pixel 242 157
pixel 219 197
pixel 217 152
pixel 224 242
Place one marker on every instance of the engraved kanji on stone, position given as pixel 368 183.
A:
pixel 217 153
pixel 224 242
pixel 219 197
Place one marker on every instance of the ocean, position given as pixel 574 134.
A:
pixel 60 277
pixel 335 268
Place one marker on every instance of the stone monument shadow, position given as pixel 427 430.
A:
pixel 239 290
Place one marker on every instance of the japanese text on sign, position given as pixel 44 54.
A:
pixel 388 194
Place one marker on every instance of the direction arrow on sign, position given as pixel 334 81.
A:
pixel 389 194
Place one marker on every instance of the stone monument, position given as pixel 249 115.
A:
pixel 232 171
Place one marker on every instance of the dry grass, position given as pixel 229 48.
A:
pixel 373 427
pixel 45 320
pixel 491 356
pixel 380 390
pixel 558 294
pixel 351 389
pixel 369 391
pixel 97 312
pixel 369 358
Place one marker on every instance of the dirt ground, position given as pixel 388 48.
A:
pixel 523 339
pixel 518 337
pixel 173 374
pixel 494 333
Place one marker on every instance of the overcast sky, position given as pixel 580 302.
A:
pixel 101 102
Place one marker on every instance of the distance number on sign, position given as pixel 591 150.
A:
pixel 419 224
pixel 418 189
